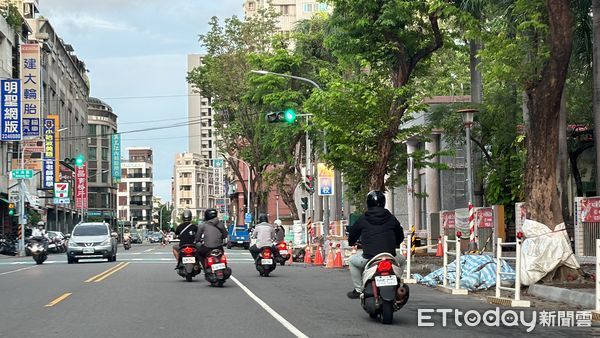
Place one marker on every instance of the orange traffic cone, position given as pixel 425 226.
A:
pixel 307 259
pixel 330 257
pixel 337 261
pixel 440 248
pixel 318 256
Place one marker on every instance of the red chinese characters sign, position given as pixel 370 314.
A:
pixel 448 219
pixel 484 217
pixel 590 209
pixel 81 189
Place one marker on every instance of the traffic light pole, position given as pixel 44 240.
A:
pixel 22 218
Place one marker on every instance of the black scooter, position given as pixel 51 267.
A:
pixel 265 262
pixel 188 266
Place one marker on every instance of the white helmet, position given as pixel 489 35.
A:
pixel 278 222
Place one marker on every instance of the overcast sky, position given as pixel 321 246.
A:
pixel 138 48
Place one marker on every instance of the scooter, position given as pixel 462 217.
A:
pixel 188 266
pixel 127 244
pixel 265 262
pixel 281 253
pixel 38 251
pixel 383 289
pixel 216 271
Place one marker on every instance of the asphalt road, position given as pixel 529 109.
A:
pixel 140 295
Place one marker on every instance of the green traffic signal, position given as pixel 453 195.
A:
pixel 11 209
pixel 79 160
pixel 289 115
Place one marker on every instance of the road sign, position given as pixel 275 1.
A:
pixel 225 217
pixel 218 163
pixel 248 218
pixel 62 200
pixel 17 174
pixel 61 190
pixel 326 180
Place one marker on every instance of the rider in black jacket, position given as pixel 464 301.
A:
pixel 379 231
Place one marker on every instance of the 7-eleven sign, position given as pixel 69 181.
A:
pixel 61 190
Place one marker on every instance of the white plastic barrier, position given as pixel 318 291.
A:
pixel 456 290
pixel 408 279
pixel 516 301
pixel 596 312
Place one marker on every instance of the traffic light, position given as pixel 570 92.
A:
pixel 79 160
pixel 309 183
pixel 289 116
pixel 11 209
pixel 304 203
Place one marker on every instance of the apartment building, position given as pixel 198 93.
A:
pixel 102 189
pixel 136 188
pixel 290 11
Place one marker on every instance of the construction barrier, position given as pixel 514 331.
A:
pixel 516 302
pixel 456 290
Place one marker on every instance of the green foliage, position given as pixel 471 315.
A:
pixel 12 16
pixel 33 217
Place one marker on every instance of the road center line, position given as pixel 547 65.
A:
pixel 21 269
pixel 91 279
pixel 110 273
pixel 269 310
pixel 58 300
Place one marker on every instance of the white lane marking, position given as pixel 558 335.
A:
pixel 148 250
pixel 269 310
pixel 13 271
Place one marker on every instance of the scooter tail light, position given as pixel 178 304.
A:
pixel 211 261
pixel 282 246
pixel 267 254
pixel 224 259
pixel 188 250
pixel 385 266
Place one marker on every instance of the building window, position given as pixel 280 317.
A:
pixel 105 154
pixel 92 153
pixel 105 177
pixel 93 173
pixel 92 130
pixel 308 8
pixel 251 6
pixel 323 7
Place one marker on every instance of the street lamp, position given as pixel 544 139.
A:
pixel 277 206
pixel 248 186
pixel 467 115
pixel 314 84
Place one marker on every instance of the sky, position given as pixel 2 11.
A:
pixel 136 51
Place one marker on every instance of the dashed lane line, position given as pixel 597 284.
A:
pixel 58 300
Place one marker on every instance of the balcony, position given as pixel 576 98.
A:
pixel 140 192
pixel 138 176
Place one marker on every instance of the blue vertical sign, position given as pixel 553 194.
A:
pixel 49 163
pixel 116 157
pixel 11 110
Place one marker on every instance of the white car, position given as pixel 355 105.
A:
pixel 171 237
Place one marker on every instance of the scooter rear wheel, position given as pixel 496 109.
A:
pixel 387 312
pixel 188 277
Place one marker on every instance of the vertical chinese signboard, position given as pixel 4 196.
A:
pixel 590 209
pixel 81 193
pixel 31 81
pixel 325 180
pixel 11 110
pixel 116 157
pixel 49 164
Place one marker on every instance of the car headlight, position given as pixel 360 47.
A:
pixel 72 244
pixel 106 242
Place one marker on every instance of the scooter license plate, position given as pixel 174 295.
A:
pixel 240 242
pixel 219 266
pixel 88 250
pixel 386 280
pixel 266 261
pixel 188 260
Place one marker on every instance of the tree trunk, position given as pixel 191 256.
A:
pixel 563 159
pixel 384 148
pixel 596 81
pixel 541 195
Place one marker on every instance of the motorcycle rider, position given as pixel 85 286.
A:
pixel 39 234
pixel 210 235
pixel 379 231
pixel 264 233
pixel 186 232
pixel 279 231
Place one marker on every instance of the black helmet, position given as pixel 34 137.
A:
pixel 210 214
pixel 262 218
pixel 375 198
pixel 187 215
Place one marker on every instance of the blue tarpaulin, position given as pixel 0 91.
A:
pixel 478 272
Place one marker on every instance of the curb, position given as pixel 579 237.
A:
pixel 584 300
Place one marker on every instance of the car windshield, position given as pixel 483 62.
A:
pixel 90 230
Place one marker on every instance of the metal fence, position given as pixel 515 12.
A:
pixel 586 232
